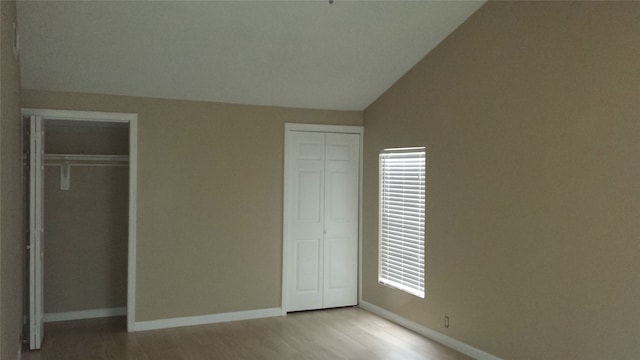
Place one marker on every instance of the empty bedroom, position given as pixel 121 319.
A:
pixel 319 180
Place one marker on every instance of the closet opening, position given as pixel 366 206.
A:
pixel 80 176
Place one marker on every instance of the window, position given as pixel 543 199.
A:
pixel 402 219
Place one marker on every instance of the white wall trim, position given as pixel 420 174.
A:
pixel 205 319
pixel 429 333
pixel 85 314
pixel 51 114
pixel 133 222
pixel 344 129
pixel 360 215
pixel 19 352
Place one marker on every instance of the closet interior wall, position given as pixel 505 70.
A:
pixel 85 263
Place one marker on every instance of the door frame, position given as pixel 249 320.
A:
pixel 113 117
pixel 340 129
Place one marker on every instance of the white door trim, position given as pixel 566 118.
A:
pixel 132 120
pixel 344 129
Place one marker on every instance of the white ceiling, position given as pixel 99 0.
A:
pixel 308 54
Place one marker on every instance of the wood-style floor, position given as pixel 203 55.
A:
pixel 346 333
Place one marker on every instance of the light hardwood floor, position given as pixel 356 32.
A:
pixel 346 333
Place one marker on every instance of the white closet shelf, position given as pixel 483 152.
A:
pixel 86 160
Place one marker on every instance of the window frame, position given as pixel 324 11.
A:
pixel 401 226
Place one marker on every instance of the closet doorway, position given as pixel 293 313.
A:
pixel 80 192
pixel 322 202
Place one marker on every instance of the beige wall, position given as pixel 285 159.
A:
pixel 530 115
pixel 210 179
pixel 86 226
pixel 77 137
pixel 11 210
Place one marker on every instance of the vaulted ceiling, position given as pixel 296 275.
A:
pixel 308 54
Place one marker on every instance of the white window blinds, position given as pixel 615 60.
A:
pixel 402 219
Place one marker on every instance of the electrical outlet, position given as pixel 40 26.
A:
pixel 446 321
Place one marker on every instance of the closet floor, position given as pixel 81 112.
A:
pixel 346 333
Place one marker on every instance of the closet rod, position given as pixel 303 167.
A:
pixel 86 160
pixel 66 161
pixel 71 163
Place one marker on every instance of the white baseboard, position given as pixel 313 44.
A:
pixel 85 314
pixel 429 333
pixel 205 319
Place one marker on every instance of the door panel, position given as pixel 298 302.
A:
pixel 36 233
pixel 309 191
pixel 305 228
pixel 338 264
pixel 341 188
pixel 341 220
pixel 307 264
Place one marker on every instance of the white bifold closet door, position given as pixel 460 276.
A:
pixel 36 232
pixel 322 220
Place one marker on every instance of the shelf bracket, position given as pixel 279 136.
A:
pixel 65 176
